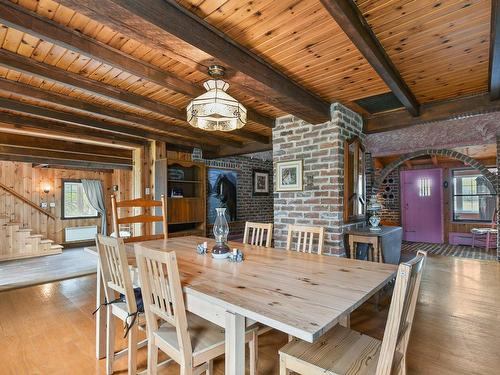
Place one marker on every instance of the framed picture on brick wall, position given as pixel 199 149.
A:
pixel 260 182
pixel 289 175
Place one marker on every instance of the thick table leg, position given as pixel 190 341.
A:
pixel 235 344
pixel 100 318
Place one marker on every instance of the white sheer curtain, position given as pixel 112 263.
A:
pixel 95 194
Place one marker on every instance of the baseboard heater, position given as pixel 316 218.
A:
pixel 76 234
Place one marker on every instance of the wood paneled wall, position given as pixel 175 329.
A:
pixel 27 181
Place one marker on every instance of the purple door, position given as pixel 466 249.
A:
pixel 422 205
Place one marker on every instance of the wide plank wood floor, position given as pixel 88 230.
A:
pixel 49 329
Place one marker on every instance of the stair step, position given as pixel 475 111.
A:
pixel 35 236
pixel 46 241
pixel 53 247
pixel 23 230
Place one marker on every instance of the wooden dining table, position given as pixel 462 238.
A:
pixel 301 294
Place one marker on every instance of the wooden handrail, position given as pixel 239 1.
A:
pixel 26 200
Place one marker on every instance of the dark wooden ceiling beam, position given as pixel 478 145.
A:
pixel 54 128
pixel 494 72
pixel 91 124
pixel 350 19
pixel 31 92
pixel 30 22
pixel 432 112
pixel 19 140
pixel 188 38
pixel 60 162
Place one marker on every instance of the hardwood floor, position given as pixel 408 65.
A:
pixel 49 328
pixel 25 272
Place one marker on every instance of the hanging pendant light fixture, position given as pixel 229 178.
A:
pixel 215 109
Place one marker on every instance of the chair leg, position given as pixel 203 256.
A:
pixel 254 353
pixel 487 246
pixel 152 357
pixel 402 366
pixel 283 369
pixel 110 340
pixel 186 370
pixel 132 350
pixel 473 240
pixel 210 367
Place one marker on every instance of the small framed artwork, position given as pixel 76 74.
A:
pixel 260 181
pixel 289 175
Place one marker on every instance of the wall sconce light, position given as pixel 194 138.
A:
pixel 46 188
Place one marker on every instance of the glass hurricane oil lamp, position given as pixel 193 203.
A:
pixel 221 230
pixel 374 207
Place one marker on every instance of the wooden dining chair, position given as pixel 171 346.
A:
pixel 117 280
pixel 255 233
pixel 344 351
pixel 188 339
pixel 144 218
pixel 305 238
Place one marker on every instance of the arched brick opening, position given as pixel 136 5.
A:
pixel 441 152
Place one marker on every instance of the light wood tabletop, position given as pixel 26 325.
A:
pixel 301 294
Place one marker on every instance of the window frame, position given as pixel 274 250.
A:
pixel 63 216
pixel 452 197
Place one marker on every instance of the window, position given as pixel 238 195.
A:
pixel 473 197
pixel 424 187
pixel 74 201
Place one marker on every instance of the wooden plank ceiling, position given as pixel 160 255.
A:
pixel 119 68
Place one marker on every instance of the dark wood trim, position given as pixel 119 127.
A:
pixel 249 148
pixel 494 69
pixel 119 163
pixel 49 127
pixel 347 186
pixel 17 140
pixel 432 112
pixel 191 40
pixel 67 163
pixel 30 22
pixel 349 18
pixel 63 217
pixel 125 118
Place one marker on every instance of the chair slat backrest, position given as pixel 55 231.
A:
pixel 115 271
pixel 145 217
pixel 255 233
pixel 305 238
pixel 401 312
pixel 162 294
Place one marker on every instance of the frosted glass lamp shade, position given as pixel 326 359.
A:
pixel 216 109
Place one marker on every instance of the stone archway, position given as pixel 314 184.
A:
pixel 442 152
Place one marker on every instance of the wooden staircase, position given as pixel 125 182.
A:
pixel 17 242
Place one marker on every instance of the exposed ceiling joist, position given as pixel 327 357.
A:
pixel 9 139
pixel 61 162
pixel 56 129
pixel 350 19
pixel 188 38
pixel 90 124
pixel 30 22
pixel 432 112
pixel 494 73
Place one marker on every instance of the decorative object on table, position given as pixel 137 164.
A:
pixel 176 193
pixel 260 182
pixel 374 207
pixel 221 230
pixel 197 154
pixel 222 192
pixel 237 256
pixel 202 248
pixel 215 109
pixel 289 175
